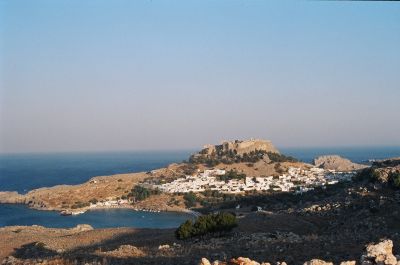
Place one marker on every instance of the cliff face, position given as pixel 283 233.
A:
pixel 338 163
pixel 240 147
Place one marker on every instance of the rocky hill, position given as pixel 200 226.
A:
pixel 260 155
pixel 240 147
pixel 338 163
pixel 391 162
pixel 385 172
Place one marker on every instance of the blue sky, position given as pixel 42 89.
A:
pixel 134 75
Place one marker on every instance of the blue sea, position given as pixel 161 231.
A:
pixel 24 172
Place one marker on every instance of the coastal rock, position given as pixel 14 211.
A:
pixel 317 262
pixel 204 261
pixel 81 228
pixel 11 197
pixel 338 163
pixel 380 253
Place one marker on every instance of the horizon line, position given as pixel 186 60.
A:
pixel 186 149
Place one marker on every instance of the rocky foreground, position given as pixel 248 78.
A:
pixel 380 253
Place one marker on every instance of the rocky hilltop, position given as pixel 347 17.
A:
pixel 240 147
pixel 338 163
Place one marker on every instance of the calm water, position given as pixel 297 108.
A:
pixel 355 154
pixel 23 172
pixel 20 215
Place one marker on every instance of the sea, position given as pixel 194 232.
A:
pixel 24 172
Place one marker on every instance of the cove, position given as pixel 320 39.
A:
pixel 13 214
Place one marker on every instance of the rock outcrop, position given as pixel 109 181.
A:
pixel 338 163
pixel 235 261
pixel 380 253
pixel 124 251
pixel 81 228
pixel 375 254
pixel 317 262
pixel 240 147
pixel 391 162
pixel 11 197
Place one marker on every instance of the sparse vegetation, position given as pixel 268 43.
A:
pixel 139 193
pixel 93 201
pixel 173 201
pixel 275 157
pixel 226 157
pixel 369 174
pixel 190 199
pixel 230 157
pixel 394 179
pixel 80 204
pixel 189 169
pixel 372 174
pixel 231 174
pixel 211 223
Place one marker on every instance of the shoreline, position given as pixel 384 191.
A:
pixel 86 209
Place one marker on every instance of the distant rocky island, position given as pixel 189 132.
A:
pixel 253 204
pixel 338 163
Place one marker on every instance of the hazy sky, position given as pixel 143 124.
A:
pixel 134 75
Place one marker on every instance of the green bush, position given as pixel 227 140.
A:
pixel 189 169
pixel 231 174
pixel 276 157
pixel 190 199
pixel 93 201
pixel 205 224
pixel 369 174
pixel 140 193
pixel 226 157
pixel 80 204
pixel 394 179
pixel 185 230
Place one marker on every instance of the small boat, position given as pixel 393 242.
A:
pixel 65 213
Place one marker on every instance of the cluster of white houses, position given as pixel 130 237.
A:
pixel 296 180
